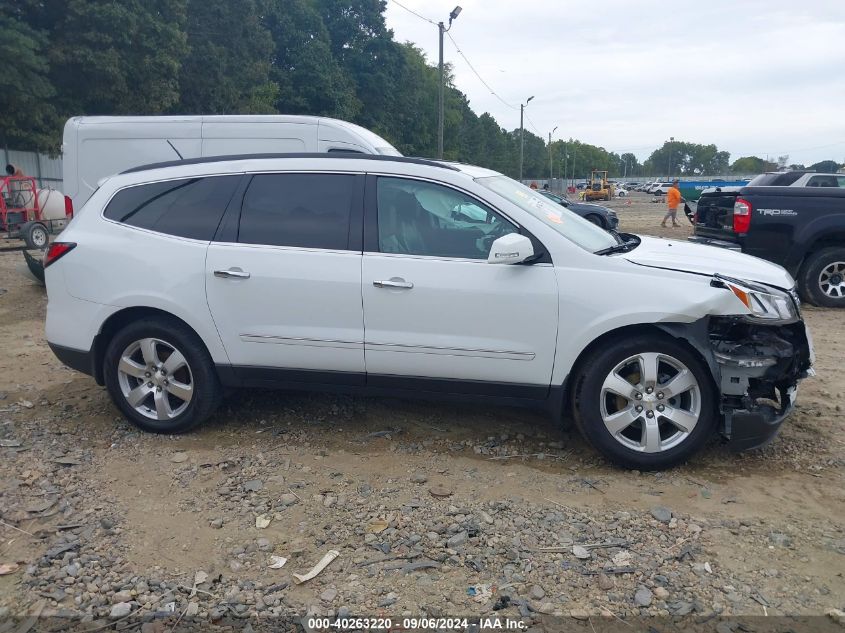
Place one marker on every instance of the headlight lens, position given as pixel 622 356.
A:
pixel 765 304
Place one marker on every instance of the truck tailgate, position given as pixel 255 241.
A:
pixel 714 216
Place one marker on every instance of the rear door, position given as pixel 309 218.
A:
pixel 437 315
pixel 284 282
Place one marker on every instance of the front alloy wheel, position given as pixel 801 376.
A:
pixel 647 402
pixel 650 402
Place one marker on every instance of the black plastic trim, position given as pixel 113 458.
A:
pixel 333 156
pixel 74 358
pixel 383 385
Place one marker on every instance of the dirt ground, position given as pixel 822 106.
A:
pixel 139 515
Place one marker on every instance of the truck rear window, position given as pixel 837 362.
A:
pixel 775 180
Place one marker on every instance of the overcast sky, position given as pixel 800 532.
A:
pixel 755 77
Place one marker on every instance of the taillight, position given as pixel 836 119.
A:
pixel 68 207
pixel 742 216
pixel 56 251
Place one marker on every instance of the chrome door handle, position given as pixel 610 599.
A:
pixel 232 273
pixel 393 283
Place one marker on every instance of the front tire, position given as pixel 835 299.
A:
pixel 822 278
pixel 160 375
pixel 645 403
pixel 595 220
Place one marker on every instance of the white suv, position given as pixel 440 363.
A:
pixel 400 276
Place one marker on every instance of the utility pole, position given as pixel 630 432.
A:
pixel 671 145
pixel 443 29
pixel 551 163
pixel 522 134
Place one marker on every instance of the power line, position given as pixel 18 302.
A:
pixel 531 123
pixel 475 72
pixel 421 17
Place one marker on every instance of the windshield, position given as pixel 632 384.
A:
pixel 573 227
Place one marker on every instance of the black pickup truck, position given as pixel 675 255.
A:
pixel 800 228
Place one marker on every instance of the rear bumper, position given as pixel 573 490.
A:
pixel 709 241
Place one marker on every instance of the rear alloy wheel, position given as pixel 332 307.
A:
pixel 822 278
pixel 160 375
pixel 646 404
pixel 155 379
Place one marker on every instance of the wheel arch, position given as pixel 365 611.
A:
pixel 694 336
pixel 115 322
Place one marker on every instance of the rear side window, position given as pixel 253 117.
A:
pixel 186 208
pixel 300 210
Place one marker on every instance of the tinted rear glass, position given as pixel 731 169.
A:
pixel 775 180
pixel 185 208
pixel 304 210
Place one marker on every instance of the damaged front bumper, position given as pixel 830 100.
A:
pixel 758 367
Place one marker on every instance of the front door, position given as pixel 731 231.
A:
pixel 285 293
pixel 435 309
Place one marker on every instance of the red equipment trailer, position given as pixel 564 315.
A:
pixel 21 215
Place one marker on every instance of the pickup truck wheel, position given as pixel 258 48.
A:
pixel 822 278
pixel 160 375
pixel 594 219
pixel 646 403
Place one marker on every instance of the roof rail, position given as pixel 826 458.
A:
pixel 338 155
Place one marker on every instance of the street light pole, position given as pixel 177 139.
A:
pixel 551 164
pixel 671 142
pixel 441 30
pixel 522 107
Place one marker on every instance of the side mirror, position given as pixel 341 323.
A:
pixel 512 248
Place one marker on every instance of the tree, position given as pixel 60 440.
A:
pixel 28 118
pixel 309 78
pixel 227 67
pixel 110 57
pixel 751 165
pixel 825 167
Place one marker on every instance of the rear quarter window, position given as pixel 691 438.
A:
pixel 190 207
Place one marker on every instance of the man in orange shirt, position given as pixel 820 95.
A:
pixel 673 199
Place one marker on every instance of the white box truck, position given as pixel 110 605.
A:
pixel 95 147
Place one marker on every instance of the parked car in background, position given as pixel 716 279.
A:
pixel 820 180
pixel 802 228
pixel 660 189
pixel 264 271
pixel 595 213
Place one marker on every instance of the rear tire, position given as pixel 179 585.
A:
pixel 822 278
pixel 161 376
pixel 645 367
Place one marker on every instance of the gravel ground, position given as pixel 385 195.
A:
pixel 434 509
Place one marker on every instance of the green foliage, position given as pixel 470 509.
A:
pixel 319 57
pixel 751 165
pixel 678 158
pixel 825 167
pixel 227 67
pixel 25 88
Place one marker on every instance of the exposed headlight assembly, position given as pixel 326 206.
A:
pixel 766 304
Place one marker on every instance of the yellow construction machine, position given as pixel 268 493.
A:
pixel 599 188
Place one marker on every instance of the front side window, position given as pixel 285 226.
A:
pixel 422 218
pixel 299 210
pixel 190 207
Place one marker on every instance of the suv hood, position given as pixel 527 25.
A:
pixel 707 260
